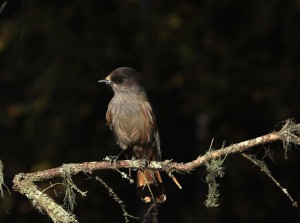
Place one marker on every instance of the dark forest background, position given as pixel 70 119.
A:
pixel 227 70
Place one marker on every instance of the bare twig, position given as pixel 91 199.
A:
pixel 263 167
pixel 152 209
pixel 51 186
pixel 117 199
pixel 154 203
pixel 126 176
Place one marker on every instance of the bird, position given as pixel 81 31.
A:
pixel 131 118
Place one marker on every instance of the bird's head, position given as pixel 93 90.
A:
pixel 125 80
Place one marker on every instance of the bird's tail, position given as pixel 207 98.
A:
pixel 149 185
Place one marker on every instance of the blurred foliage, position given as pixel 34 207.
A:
pixel 227 70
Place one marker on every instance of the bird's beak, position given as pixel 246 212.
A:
pixel 106 81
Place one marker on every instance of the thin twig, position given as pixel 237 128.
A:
pixel 117 200
pixel 51 185
pixel 154 203
pixel 265 169
pixel 148 212
pixel 125 176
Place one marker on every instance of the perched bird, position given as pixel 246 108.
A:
pixel 131 118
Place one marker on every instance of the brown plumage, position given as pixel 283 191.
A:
pixel 131 118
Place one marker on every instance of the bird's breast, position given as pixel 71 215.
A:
pixel 130 123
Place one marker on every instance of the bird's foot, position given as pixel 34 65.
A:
pixel 114 159
pixel 146 162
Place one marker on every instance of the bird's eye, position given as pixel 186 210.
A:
pixel 119 80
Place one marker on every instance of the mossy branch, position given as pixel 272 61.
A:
pixel 42 201
pixel 24 183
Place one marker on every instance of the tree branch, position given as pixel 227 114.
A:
pixel 24 183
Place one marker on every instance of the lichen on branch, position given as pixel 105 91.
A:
pixel 24 183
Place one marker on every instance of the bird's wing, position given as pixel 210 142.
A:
pixel 152 120
pixel 109 119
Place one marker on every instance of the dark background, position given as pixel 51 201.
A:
pixel 227 70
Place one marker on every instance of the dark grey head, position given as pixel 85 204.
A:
pixel 125 80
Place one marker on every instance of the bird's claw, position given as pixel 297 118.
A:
pixel 146 162
pixel 114 159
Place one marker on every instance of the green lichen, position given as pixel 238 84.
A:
pixel 214 170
